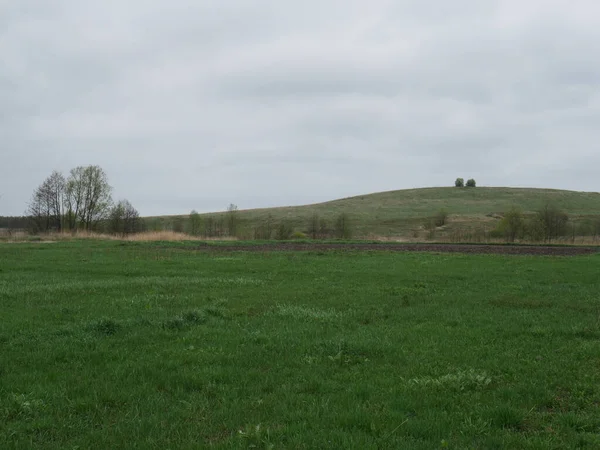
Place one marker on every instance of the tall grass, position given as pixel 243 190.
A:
pixel 147 236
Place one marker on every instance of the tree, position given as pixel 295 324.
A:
pixel 210 227
pixel 284 231
pixel 46 206
pixel 87 197
pixel 124 219
pixel 195 223
pixel 552 221
pixel 178 225
pixel 343 229
pixel 512 224
pixel 471 183
pixel 460 182
pixel 232 220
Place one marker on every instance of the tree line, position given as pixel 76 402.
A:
pixel 80 201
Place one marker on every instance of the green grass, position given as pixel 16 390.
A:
pixel 401 213
pixel 130 345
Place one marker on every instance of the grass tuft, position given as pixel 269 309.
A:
pixel 106 327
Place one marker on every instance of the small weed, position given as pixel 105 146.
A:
pixel 469 380
pixel 303 312
pixel 256 437
pixel 507 417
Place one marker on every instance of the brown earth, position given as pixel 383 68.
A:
pixel 536 250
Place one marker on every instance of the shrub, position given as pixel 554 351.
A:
pixel 430 227
pixel 323 229
pixel 471 183
pixel 284 231
pixel 313 226
pixel 232 220
pixel 552 222
pixel 512 225
pixel 460 182
pixel 343 228
pixel 298 235
pixel 441 218
pixel 178 225
pixel 195 223
pixel 264 231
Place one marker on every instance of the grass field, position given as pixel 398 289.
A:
pixel 403 213
pixel 147 345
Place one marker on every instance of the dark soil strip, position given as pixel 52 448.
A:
pixel 541 250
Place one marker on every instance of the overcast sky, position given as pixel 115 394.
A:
pixel 201 103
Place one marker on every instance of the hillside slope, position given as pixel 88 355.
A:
pixel 403 212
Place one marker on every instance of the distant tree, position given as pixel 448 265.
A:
pixel 195 223
pixel 460 182
pixel 124 219
pixel 264 231
pixel 210 227
pixel 512 225
pixel 178 224
pixel 87 197
pixel 284 231
pixel 343 229
pixel 552 222
pixel 471 183
pixel 46 206
pixel 232 220
pixel 323 228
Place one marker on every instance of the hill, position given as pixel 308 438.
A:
pixel 403 213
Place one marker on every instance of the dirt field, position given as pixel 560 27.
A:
pixel 541 250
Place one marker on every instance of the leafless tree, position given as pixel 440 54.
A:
pixel 232 220
pixel 46 206
pixel 87 197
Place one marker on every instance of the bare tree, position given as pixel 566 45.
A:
pixel 343 229
pixel 46 206
pixel 232 219
pixel 552 221
pixel 87 197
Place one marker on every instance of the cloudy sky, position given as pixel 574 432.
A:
pixel 201 103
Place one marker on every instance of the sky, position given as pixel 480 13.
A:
pixel 196 104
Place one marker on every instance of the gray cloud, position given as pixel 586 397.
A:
pixel 191 104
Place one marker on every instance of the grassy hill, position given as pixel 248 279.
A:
pixel 403 213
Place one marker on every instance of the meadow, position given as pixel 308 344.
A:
pixel 110 344
pixel 403 213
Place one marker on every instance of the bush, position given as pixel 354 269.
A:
pixel 298 235
pixel 178 224
pixel 552 222
pixel 232 220
pixel 195 223
pixel 313 226
pixel 323 229
pixel 512 225
pixel 460 182
pixel 471 183
pixel 343 228
pixel 430 227
pixel 441 218
pixel 284 231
